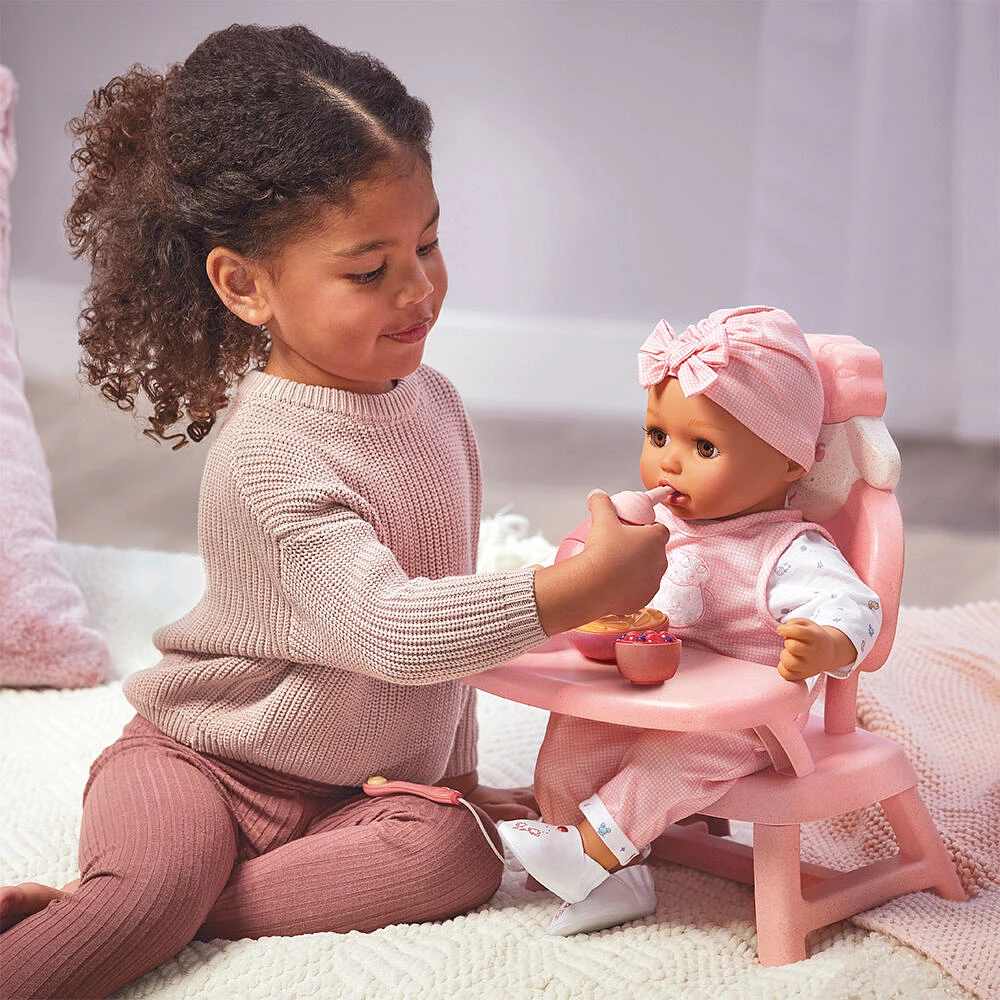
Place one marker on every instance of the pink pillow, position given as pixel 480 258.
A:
pixel 44 637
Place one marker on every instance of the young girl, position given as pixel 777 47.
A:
pixel 266 210
pixel 734 411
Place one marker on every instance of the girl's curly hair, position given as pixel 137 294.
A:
pixel 238 146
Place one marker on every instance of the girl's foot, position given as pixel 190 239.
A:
pixel 20 901
pixel 625 895
pixel 554 856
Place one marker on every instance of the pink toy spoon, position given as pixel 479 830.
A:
pixel 634 507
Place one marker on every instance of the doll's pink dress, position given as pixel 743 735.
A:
pixel 632 783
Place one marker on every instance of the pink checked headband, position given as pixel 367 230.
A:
pixel 755 363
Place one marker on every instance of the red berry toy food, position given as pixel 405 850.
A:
pixel 648 657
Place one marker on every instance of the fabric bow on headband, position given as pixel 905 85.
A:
pixel 692 358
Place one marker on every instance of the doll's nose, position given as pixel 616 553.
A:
pixel 670 458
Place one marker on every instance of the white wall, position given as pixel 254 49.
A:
pixel 604 164
pixel 590 157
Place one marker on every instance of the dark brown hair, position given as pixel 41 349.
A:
pixel 237 146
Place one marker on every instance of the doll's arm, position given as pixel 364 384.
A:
pixel 812 581
pixel 812 649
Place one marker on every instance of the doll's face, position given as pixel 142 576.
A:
pixel 716 466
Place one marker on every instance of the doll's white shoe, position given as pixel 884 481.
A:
pixel 554 856
pixel 625 895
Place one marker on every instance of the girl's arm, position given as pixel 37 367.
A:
pixel 618 572
pixel 353 605
pixel 497 803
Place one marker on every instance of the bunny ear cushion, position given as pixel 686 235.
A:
pixel 875 454
pixel 46 640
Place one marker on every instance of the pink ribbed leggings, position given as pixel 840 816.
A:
pixel 175 845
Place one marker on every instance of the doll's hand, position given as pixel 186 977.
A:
pixel 810 649
pixel 505 803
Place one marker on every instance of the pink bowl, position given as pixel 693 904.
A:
pixel 596 639
pixel 648 657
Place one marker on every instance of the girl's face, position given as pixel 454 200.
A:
pixel 716 466
pixel 350 305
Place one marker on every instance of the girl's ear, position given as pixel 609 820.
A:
pixel 240 284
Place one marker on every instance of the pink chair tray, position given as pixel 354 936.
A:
pixel 707 692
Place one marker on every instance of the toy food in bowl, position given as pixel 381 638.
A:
pixel 648 657
pixel 596 639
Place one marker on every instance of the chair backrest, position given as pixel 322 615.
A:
pixel 849 492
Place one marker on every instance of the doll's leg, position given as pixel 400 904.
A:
pixel 667 776
pixel 658 777
pixel 157 845
pixel 577 756
pixel 365 864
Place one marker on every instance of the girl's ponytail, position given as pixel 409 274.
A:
pixel 152 324
pixel 238 146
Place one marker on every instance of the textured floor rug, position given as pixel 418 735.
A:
pixel 700 943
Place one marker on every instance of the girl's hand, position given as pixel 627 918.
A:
pixel 504 803
pixel 618 571
pixel 630 559
pixel 811 649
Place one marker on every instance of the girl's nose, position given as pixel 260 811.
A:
pixel 416 286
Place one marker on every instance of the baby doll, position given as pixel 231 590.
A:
pixel 734 410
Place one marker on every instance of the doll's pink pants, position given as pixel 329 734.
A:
pixel 646 778
pixel 175 845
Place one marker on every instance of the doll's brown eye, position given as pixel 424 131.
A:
pixel 657 438
pixel 706 449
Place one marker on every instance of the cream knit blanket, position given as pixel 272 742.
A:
pixel 938 696
pixel 943 684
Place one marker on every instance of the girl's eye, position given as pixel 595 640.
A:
pixel 368 277
pixel 657 438
pixel 429 247
pixel 705 448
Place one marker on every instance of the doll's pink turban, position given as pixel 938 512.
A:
pixel 755 363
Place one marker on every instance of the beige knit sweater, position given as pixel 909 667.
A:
pixel 339 535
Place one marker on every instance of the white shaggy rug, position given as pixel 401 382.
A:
pixel 700 943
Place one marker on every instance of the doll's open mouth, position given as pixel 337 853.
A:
pixel 674 497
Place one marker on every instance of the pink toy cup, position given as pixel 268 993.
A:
pixel 648 657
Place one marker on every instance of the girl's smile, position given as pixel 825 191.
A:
pixel 414 335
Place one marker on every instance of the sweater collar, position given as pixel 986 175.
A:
pixel 358 406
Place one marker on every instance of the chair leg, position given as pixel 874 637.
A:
pixel 920 844
pixel 781 934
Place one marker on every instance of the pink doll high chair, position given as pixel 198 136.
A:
pixel 827 769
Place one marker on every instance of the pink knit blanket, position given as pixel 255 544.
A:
pixel 938 695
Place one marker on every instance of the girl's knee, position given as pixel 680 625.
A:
pixel 445 857
pixel 467 852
